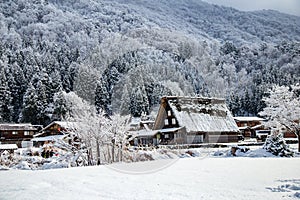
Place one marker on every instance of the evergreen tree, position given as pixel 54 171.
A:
pixel 125 101
pixel 139 102
pixel 234 104
pixel 44 111
pixel 17 84
pixel 102 96
pixel 5 98
pixel 30 106
pixel 55 84
pixel 276 145
pixel 60 106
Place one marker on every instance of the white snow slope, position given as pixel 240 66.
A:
pixel 188 178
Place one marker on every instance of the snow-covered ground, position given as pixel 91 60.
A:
pixel 186 178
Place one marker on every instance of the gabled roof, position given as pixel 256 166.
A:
pixel 63 124
pixel 201 114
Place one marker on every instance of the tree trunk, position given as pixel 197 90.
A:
pixel 98 153
pixel 90 153
pixel 90 156
pixel 121 153
pixel 298 144
pixel 298 136
pixel 113 152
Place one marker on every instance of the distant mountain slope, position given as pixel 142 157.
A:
pixel 201 18
pixel 122 55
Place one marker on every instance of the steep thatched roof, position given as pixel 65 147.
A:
pixel 200 114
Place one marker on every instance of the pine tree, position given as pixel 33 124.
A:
pixel 125 101
pixel 54 85
pixel 276 145
pixel 102 97
pixel 44 112
pixel 60 107
pixel 17 84
pixel 139 102
pixel 234 104
pixel 5 99
pixel 30 106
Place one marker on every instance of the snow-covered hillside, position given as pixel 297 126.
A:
pixel 228 24
pixel 122 56
pixel 188 178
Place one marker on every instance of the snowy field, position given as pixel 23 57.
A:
pixel 186 178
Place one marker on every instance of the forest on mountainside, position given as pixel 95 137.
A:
pixel 122 56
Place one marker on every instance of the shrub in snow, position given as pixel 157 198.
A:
pixel 276 145
pixel 237 150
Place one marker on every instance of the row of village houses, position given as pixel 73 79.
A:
pixel 180 120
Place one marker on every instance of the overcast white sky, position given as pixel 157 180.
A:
pixel 286 6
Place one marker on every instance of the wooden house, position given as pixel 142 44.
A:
pixel 139 124
pixel 248 121
pixel 57 130
pixel 16 133
pixel 252 127
pixel 192 120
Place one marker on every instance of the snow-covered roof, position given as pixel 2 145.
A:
pixel 200 114
pixel 16 127
pixel 147 127
pixel 148 122
pixel 8 146
pixel 248 119
pixel 166 130
pixel 145 132
pixel 257 126
pixel 151 133
pixel 64 124
pixel 49 138
pixel 244 127
pixel 135 121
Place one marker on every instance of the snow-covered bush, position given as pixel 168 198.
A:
pixel 276 145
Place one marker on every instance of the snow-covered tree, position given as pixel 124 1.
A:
pixel 5 98
pixel 125 101
pixel 102 96
pixel 139 102
pixel 98 132
pixel 86 82
pixel 276 145
pixel 30 106
pixel 118 127
pixel 60 109
pixel 283 109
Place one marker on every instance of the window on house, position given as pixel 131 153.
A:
pixel 166 122
pixel 173 121
pixel 15 132
pixel 166 136
pixel 169 113
pixel 26 132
